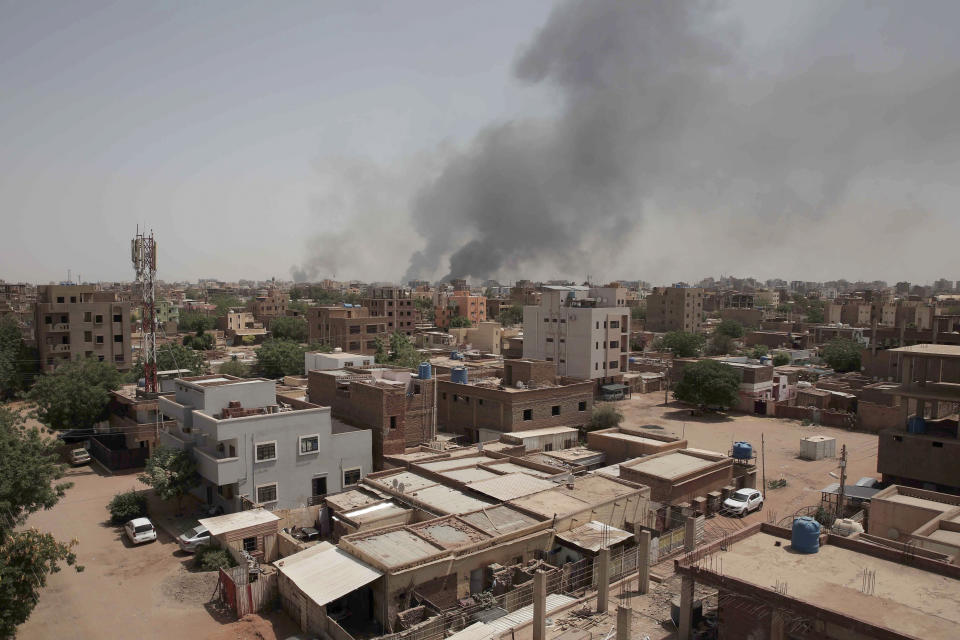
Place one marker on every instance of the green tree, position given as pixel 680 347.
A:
pixel 402 352
pixel 720 344
pixel 18 362
pixel 224 303
pixel 604 416
pixel 194 294
pixel 425 307
pixel 730 328
pixel 289 328
pixel 234 367
pixel 172 356
pixel 511 316
pixel 126 506
pixel 29 481
pixel 76 394
pixel 814 311
pixel 638 313
pixel 683 344
pixel 171 473
pixel 759 351
pixel 781 358
pixel 278 358
pixel 460 321
pixel 194 321
pixel 295 294
pixel 708 383
pixel 842 355
pixel 199 342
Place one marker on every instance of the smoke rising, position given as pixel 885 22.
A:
pixel 674 135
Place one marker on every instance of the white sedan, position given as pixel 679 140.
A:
pixel 190 540
pixel 140 530
pixel 743 501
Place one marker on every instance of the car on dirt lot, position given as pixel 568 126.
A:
pixel 140 530
pixel 190 540
pixel 79 456
pixel 743 501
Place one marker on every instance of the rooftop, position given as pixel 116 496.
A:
pixel 588 491
pixel 472 474
pixel 511 467
pixel 671 465
pixel 510 486
pixel 239 520
pixel 353 499
pixel 499 520
pixel 450 532
pixel 546 431
pixel 592 535
pixel 447 500
pixel 452 463
pixel 395 547
pixel 930 350
pixel 325 573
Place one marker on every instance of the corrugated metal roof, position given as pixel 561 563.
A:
pixel 523 615
pixel 447 500
pixel 326 573
pixel 546 431
pixel 511 485
pixel 499 520
pixel 591 535
pixel 238 520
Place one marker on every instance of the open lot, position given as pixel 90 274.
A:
pixel 804 478
pixel 125 591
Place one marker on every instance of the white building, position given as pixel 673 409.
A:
pixel 322 361
pixel 249 444
pixel 586 331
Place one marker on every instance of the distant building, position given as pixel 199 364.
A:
pixel 272 304
pixel 395 305
pixel 238 324
pixel 675 309
pixel 351 329
pixel 75 322
pixel 327 361
pixel 483 336
pixel 460 303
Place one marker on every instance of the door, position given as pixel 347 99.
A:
pixel 318 486
pixel 476 581
pixel 209 494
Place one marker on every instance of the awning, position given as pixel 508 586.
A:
pixel 326 573
pixel 851 491
pixel 613 388
pixel 239 520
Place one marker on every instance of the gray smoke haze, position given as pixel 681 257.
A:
pixel 674 139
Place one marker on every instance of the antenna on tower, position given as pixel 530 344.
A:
pixel 143 252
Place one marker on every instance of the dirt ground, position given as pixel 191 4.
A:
pixel 124 591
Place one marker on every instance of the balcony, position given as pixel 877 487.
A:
pixel 60 348
pixel 60 326
pixel 218 470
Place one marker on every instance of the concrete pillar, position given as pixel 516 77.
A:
pixel 643 562
pixel 690 534
pixel 624 617
pixel 603 580
pixel 777 625
pixel 539 606
pixel 686 608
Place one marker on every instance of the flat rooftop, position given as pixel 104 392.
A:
pixel 512 467
pixel 638 439
pixel 353 499
pixel 670 466
pixel 931 350
pixel 410 481
pixel 450 533
pixel 906 599
pixel 499 520
pixel 447 500
pixel 397 547
pixel 920 502
pixel 452 463
pixel 471 474
pixel 546 431
pixel 510 486
pixel 588 491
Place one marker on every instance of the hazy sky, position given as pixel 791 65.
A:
pixel 660 141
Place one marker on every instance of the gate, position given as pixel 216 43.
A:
pixel 243 596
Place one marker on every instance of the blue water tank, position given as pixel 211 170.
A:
pixel 742 451
pixel 631 359
pixel 806 535
pixel 424 371
pixel 347 305
pixel 916 424
pixel 458 375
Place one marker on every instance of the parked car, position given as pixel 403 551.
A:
pixel 190 540
pixel 743 501
pixel 140 530
pixel 79 456
pixel 867 481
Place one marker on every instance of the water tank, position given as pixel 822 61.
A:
pixel 424 371
pixel 631 359
pixel 347 305
pixel 458 375
pixel 916 424
pixel 806 535
pixel 742 451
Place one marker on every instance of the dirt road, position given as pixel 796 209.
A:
pixel 124 592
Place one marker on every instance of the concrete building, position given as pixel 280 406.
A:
pixel 73 322
pixel 394 404
pixel 329 361
pixel 626 443
pixel 755 394
pixel 922 451
pixel 581 330
pixel 528 396
pixel 239 324
pixel 396 305
pixel 485 337
pixel 459 303
pixel 683 475
pixel 675 309
pixel 350 329
pixel 253 447
pixel 918 519
pixel 269 305
pixel 847 590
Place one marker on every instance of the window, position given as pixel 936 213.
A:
pixel 100 358
pixel 548 446
pixel 598 324
pixel 98 319
pixel 309 444
pixel 479 400
pixel 549 339
pixel 118 338
pixel 266 451
pixel 371 344
pixel 250 544
pixel 87 317
pixel 88 336
pixel 939 445
pixel 613 364
pixel 48 320
pixel 455 397
pixel 416 389
pixel 393 422
pixel 318 486
pixel 546 319
pixel 614 344
pixel 117 317
pixel 60 299
pixel 555 410
pixel 351 476
pixel 549 359
pixel 73 299
pixel 614 324
pixel 596 366
pixel 371 328
pixel 267 493
pixel 528 414
pixel 582 406
pixel 354 346
pixel 898 438
pixel 99 339
pixel 444 394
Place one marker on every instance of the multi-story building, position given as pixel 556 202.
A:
pixel 483 336
pixel 675 309
pixel 349 328
pixel 238 324
pixel 271 304
pixel 581 330
pixel 254 447
pixel 529 396
pixel 73 322
pixel 459 303
pixel 395 305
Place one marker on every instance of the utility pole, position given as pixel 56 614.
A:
pixel 763 465
pixel 843 479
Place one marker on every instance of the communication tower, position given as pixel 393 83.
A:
pixel 143 252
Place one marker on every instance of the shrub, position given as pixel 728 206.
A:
pixel 604 416
pixel 211 558
pixel 127 506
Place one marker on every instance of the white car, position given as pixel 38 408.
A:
pixel 140 530
pixel 190 540
pixel 743 501
pixel 79 456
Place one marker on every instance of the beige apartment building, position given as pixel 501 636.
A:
pixel 582 330
pixel 270 305
pixel 395 305
pixel 77 321
pixel 350 328
pixel 675 309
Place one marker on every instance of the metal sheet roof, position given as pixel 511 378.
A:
pixel 326 573
pixel 238 520
pixel 511 485
pixel 592 535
